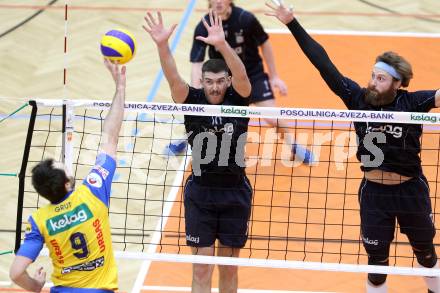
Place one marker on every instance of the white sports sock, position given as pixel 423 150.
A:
pixel 433 283
pixel 288 139
pixel 376 289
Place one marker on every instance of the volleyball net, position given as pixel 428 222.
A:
pixel 304 217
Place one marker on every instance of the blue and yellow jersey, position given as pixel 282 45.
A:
pixel 77 233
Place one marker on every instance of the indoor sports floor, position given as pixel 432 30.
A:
pixel 353 34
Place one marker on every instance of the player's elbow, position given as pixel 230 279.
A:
pixel 244 84
pixel 266 45
pixel 15 273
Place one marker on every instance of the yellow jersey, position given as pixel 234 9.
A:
pixel 76 231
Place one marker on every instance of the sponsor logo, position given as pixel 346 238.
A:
pixel 307 113
pixel 334 114
pixel 155 107
pixel 233 110
pixel 68 220
pixel 101 170
pixel 370 241
pixel 87 266
pixel 384 116
pixel 199 109
pixel 57 250
pixel 158 107
pixel 423 117
pixel 395 131
pixel 192 239
pixel 99 235
pixel 94 180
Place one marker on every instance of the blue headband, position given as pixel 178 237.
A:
pixel 388 69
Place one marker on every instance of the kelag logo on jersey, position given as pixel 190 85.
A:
pixel 69 220
pixel 395 131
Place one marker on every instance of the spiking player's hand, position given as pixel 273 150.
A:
pixel 155 28
pixel 284 14
pixel 118 73
pixel 216 35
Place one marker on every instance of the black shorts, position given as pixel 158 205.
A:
pixel 261 90
pixel 382 204
pixel 217 213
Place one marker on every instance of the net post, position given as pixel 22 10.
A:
pixel 22 174
pixel 67 130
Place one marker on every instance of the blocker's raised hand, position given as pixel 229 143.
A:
pixel 280 11
pixel 216 35
pixel 155 28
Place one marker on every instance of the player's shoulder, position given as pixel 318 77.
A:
pixel 242 14
pixel 200 23
pixel 235 99
pixel 41 215
pixel 418 93
pixel 37 215
pixel 41 212
pixel 241 11
pixel 405 97
pixel 195 96
pixel 200 27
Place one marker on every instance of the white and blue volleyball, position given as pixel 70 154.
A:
pixel 118 45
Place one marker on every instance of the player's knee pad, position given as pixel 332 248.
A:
pixel 377 279
pixel 426 257
pixel 377 260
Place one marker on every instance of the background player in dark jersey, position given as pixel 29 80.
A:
pixel 393 186
pixel 75 225
pixel 217 196
pixel 245 35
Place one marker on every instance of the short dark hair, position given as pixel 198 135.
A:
pixel 399 63
pixel 215 66
pixel 48 181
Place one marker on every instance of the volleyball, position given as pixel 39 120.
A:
pixel 118 45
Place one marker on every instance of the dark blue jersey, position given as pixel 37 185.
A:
pixel 243 33
pixel 220 138
pixel 402 147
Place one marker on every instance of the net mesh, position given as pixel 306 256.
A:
pixel 299 212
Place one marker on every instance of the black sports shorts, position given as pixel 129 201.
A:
pixel 382 204
pixel 261 90
pixel 217 212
